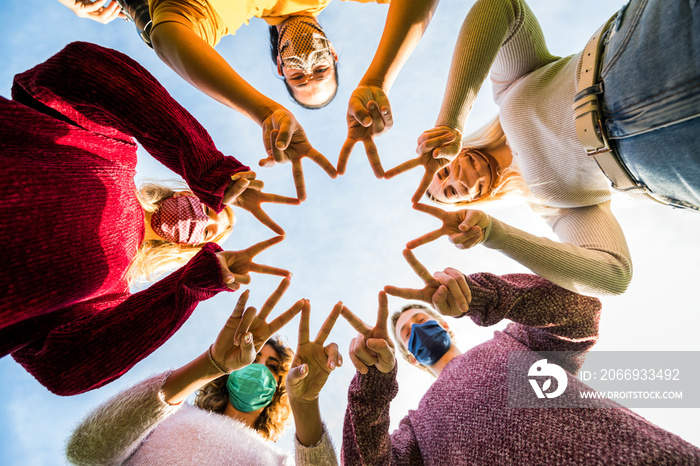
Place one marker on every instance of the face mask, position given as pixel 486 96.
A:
pixel 302 44
pixel 180 220
pixel 428 342
pixel 251 388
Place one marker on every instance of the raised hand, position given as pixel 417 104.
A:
pixel 447 291
pixel 246 331
pixel 465 228
pixel 286 141
pixel 372 346
pixel 369 115
pixel 431 165
pixel 312 361
pixel 246 192
pixel 95 10
pixel 441 142
pixel 236 265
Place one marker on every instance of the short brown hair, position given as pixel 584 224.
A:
pixel 402 348
pixel 273 419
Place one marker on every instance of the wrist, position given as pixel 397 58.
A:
pixel 380 83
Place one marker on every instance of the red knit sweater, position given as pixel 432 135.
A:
pixel 70 223
pixel 464 417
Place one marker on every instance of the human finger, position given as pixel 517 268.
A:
pixel 107 14
pixel 256 249
pixel 226 275
pixel 241 278
pixel 439 300
pixel 387 117
pixel 470 237
pixel 417 267
pixel 344 155
pixel 240 305
pixel 277 152
pixel 405 293
pixel 284 134
pixel 332 356
pixel 304 322
pixel 430 210
pixel 269 270
pixel 377 120
pixel 363 353
pixel 235 190
pixel 359 365
pixel 279 199
pixel 384 354
pixel 328 324
pixel 297 374
pixel 298 176
pixel 244 324
pixel 423 185
pixel 358 111
pixel 267 162
pixel 425 239
pixel 266 220
pixel 461 281
pixel 373 157
pixel 382 311
pixel 436 140
pixel 323 162
pixel 454 289
pixel 284 318
pixel 274 298
pixel 355 321
pixel 403 167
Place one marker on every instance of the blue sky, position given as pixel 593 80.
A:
pixel 345 242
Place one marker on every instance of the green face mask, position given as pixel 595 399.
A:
pixel 251 388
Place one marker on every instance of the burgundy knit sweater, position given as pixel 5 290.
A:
pixel 464 417
pixel 70 222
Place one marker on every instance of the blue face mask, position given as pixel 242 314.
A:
pixel 428 342
pixel 251 388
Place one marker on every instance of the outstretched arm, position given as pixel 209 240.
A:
pixel 108 93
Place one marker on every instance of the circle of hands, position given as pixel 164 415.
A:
pixel 246 331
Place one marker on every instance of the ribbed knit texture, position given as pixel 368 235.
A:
pixel 535 92
pixel 464 417
pixel 71 223
pixel 136 427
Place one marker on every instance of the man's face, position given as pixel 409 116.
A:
pixel 405 322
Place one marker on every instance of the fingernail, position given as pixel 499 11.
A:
pixel 332 365
pixel 304 368
pixel 235 177
pixel 465 307
pixel 340 361
pixel 237 340
pixel 248 339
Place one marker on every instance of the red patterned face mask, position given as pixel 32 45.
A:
pixel 180 220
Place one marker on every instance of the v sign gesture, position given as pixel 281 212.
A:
pixel 447 291
pixel 431 165
pixel 465 227
pixel 373 346
pixel 236 265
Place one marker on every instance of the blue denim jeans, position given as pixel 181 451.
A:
pixel 651 100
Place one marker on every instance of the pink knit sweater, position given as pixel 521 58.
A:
pixel 70 222
pixel 464 417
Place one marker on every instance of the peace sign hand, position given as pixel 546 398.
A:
pixel 286 141
pixel 431 165
pixel 441 142
pixel 246 192
pixel 447 291
pixel 313 362
pixel 465 228
pixel 236 265
pixel 369 115
pixel 245 332
pixel 373 346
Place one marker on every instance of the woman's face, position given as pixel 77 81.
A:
pixel 470 176
pixel 306 59
pixel 269 357
pixel 188 221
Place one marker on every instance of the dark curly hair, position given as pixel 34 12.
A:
pixel 273 419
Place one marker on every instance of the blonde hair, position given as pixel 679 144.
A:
pixel 273 419
pixel 156 257
pixel 488 137
pixel 402 348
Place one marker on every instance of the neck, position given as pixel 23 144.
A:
pixel 246 418
pixel 502 155
pixel 437 368
pixel 149 234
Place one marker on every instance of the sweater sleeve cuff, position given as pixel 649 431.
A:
pixel 323 452
pixel 382 386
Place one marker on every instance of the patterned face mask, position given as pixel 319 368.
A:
pixel 302 44
pixel 180 220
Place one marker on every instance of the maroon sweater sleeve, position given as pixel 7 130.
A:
pixel 366 437
pixel 106 92
pixel 119 330
pixel 546 317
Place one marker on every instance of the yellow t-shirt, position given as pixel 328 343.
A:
pixel 212 20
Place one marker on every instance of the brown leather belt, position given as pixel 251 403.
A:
pixel 588 116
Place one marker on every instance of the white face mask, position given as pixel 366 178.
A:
pixel 302 44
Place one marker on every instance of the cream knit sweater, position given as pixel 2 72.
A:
pixel 535 92
pixel 136 427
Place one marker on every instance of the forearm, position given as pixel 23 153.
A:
pixel 307 421
pixel 199 64
pixel 597 269
pixel 406 22
pixel 189 378
pixel 485 28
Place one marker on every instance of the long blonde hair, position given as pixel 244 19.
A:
pixel 487 137
pixel 273 419
pixel 156 257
